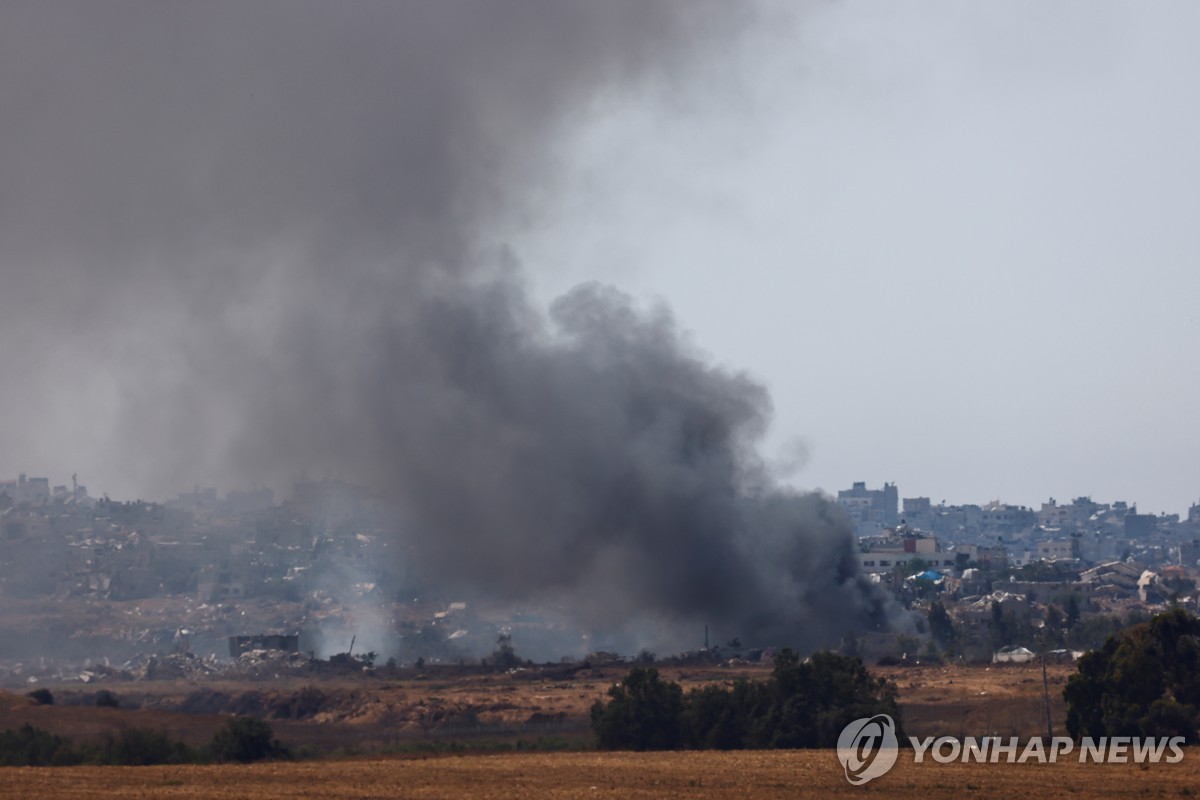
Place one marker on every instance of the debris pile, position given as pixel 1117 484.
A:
pixel 179 666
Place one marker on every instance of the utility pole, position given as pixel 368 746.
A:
pixel 1046 687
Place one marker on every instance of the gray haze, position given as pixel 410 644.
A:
pixel 956 240
pixel 245 241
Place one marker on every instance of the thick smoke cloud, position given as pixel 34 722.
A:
pixel 241 241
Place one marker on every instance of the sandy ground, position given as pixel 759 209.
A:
pixel 617 775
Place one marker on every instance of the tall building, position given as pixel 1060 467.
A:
pixel 918 513
pixel 871 507
pixel 35 491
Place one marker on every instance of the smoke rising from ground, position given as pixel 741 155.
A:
pixel 241 241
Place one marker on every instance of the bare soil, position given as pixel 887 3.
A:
pixel 782 774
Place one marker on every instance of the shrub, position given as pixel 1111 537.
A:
pixel 645 713
pixel 33 747
pixel 245 739
pixel 505 655
pixel 106 699
pixel 137 747
pixel 42 697
pixel 805 703
pixel 810 701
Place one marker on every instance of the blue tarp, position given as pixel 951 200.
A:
pixel 931 575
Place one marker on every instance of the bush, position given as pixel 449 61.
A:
pixel 138 747
pixel 806 703
pixel 1144 681
pixel 106 699
pixel 245 739
pixel 42 697
pixel 645 713
pixel 505 655
pixel 721 719
pixel 811 701
pixel 33 747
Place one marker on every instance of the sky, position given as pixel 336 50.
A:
pixel 955 242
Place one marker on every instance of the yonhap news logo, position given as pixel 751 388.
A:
pixel 867 748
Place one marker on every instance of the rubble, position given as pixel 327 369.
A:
pixel 178 666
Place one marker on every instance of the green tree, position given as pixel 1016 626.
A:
pixel 245 739
pixel 644 713
pixel 906 569
pixel 138 747
pixel 1177 587
pixel 505 655
pixel 813 699
pixel 28 746
pixel 106 699
pixel 999 633
pixel 805 703
pixel 1052 631
pixel 713 717
pixel 1144 681
pixel 1072 611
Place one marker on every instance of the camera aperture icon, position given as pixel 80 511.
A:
pixel 867 748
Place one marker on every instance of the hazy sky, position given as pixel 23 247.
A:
pixel 957 242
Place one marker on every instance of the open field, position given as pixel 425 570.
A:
pixel 1000 700
pixel 368 714
pixel 783 774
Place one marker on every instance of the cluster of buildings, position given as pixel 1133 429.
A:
pixel 199 561
pixel 36 491
pixel 65 543
pixel 987 564
pixel 329 549
pixel 1082 530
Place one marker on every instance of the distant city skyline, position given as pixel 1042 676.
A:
pixel 49 486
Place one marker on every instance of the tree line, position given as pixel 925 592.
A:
pixel 240 739
pixel 805 703
pixel 1144 681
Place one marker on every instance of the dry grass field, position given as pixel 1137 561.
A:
pixel 365 715
pixel 370 714
pixel 605 775
pixel 999 700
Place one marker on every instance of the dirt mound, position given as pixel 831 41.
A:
pixel 10 700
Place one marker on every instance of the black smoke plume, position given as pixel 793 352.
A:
pixel 245 240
